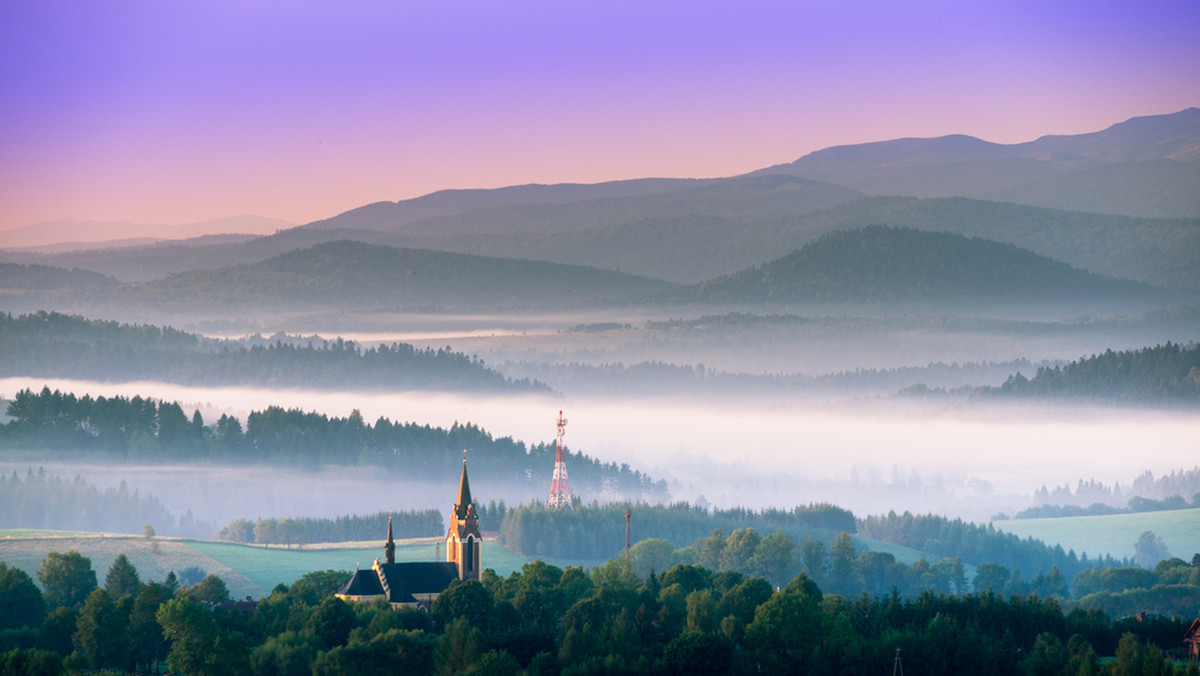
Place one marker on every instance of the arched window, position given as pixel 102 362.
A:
pixel 469 555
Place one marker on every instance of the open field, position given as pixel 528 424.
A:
pixel 1113 534
pixel 248 570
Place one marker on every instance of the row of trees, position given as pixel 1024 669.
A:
pixel 549 620
pixel 592 532
pixel 976 544
pixel 1136 504
pixel 50 344
pixel 289 531
pixel 1164 373
pixel 47 501
pixel 148 430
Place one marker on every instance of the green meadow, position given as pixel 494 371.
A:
pixel 248 570
pixel 1113 534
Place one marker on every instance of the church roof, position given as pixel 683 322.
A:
pixel 420 577
pixel 404 580
pixel 363 583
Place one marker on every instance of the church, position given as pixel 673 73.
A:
pixel 417 584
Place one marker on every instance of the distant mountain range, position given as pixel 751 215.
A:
pixel 1146 166
pixel 70 234
pixel 1123 203
pixel 872 265
pixel 348 275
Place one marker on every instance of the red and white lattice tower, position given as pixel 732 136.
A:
pixel 560 488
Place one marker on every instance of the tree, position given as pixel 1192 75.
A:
pixel 100 633
pixel 991 576
pixel 146 643
pixel 67 578
pixel 699 654
pixel 652 554
pixel 787 627
pixel 331 622
pixel 21 603
pixel 211 589
pixel 1149 550
pixel 122 578
pixel 198 645
pixel 843 564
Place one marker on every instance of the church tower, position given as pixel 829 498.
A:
pixel 463 542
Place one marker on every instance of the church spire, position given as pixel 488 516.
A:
pixel 464 541
pixel 390 550
pixel 464 492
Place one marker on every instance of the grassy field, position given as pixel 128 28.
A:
pixel 1113 534
pixel 248 570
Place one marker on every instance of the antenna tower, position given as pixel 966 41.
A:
pixel 560 488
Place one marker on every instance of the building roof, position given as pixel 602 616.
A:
pixel 363 583
pixel 403 580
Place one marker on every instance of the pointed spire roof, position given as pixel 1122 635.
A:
pixel 464 492
pixel 390 550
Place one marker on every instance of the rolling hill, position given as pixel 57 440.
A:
pixel 879 264
pixel 17 277
pixel 352 275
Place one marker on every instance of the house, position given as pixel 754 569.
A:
pixel 417 584
pixel 1192 639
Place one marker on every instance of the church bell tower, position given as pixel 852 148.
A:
pixel 463 542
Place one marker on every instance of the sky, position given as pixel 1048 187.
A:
pixel 179 112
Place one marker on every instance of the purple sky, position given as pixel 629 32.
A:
pixel 174 112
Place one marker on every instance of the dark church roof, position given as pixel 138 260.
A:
pixel 404 580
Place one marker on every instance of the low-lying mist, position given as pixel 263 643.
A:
pixel 966 459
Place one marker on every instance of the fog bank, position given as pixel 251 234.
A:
pixel 967 459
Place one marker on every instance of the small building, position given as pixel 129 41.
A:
pixel 1192 639
pixel 418 583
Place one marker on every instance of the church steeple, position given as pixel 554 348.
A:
pixel 464 493
pixel 390 550
pixel 464 541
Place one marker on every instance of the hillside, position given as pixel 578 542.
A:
pixel 878 264
pixel 1102 172
pixel 1113 535
pixel 1166 373
pixel 248 570
pixel 747 197
pixel 51 345
pixel 349 275
pixel 16 277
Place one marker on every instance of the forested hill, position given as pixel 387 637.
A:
pixel 143 430
pixel 52 345
pixel 353 275
pixel 1166 373
pixel 879 264
pixel 16 277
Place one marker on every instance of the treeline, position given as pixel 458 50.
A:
pixel 301 530
pixel 51 502
pixel 841 567
pixel 146 430
pixel 549 620
pixel 975 543
pixel 1171 588
pixel 49 344
pixel 1145 486
pixel 1165 373
pixel 597 532
pixel 1136 505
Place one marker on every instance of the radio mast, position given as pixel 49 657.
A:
pixel 560 488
